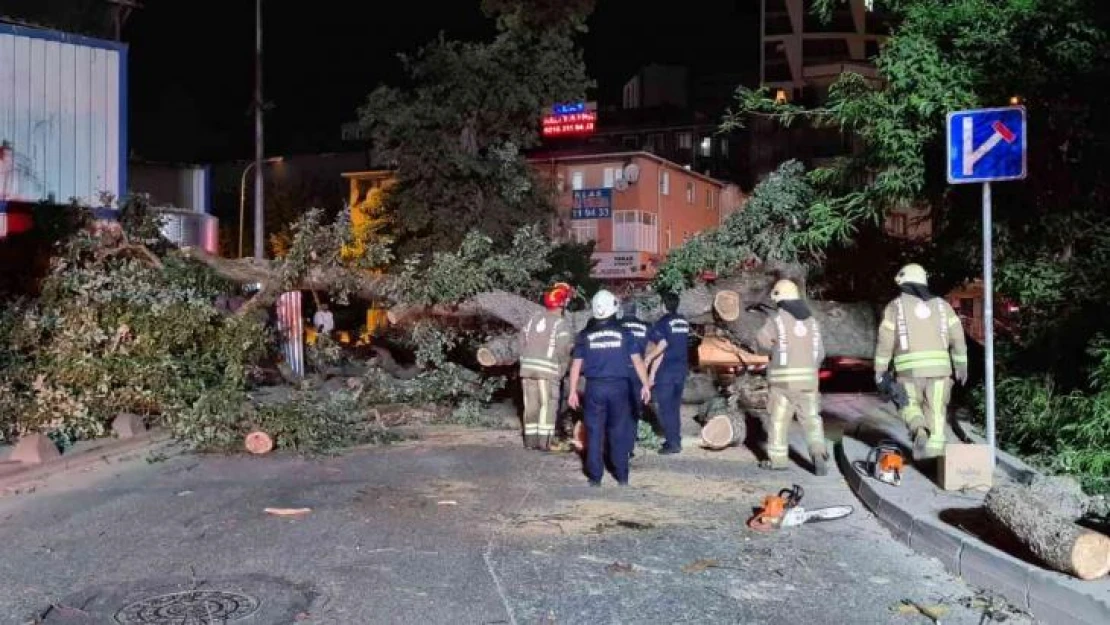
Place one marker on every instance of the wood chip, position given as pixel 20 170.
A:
pixel 288 511
pixel 697 566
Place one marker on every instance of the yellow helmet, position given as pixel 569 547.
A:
pixel 913 273
pixel 784 290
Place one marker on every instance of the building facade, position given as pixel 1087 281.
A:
pixel 634 206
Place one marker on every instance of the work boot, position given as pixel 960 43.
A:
pixel 920 441
pixel 820 458
pixel 561 447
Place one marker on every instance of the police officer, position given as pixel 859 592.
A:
pixel 639 330
pixel 545 346
pixel 602 353
pixel 669 361
pixel 793 338
pixel 923 336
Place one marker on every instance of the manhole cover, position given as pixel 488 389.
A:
pixel 197 607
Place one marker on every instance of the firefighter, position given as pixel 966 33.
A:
pixel 545 346
pixel 792 336
pixel 602 353
pixel 924 338
pixel 669 358
pixel 639 330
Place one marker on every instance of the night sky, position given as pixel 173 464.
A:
pixel 192 62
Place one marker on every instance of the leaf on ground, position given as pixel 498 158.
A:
pixel 620 567
pixel 907 607
pixel 699 565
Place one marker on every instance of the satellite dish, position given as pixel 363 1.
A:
pixel 632 172
pixel 621 184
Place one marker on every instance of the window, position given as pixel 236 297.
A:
pixel 689 193
pixel 706 147
pixel 709 198
pixel 609 177
pixel 577 180
pixel 583 230
pixel 665 183
pixel 635 231
pixel 896 224
pixel 685 140
pixel 724 148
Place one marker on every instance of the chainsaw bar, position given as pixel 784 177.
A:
pixel 798 516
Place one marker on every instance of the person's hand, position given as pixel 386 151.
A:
pixel 878 379
pixel 645 394
pixel 961 375
pixel 573 400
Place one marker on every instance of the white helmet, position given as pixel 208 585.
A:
pixel 604 305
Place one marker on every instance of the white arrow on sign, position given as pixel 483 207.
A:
pixel 973 154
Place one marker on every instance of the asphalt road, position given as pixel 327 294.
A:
pixel 458 527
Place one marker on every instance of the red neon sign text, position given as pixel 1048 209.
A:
pixel 572 124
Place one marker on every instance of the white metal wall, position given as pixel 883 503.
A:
pixel 62 108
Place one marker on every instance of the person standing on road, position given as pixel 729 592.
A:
pixel 669 360
pixel 923 336
pixel 793 338
pixel 545 346
pixel 639 330
pixel 602 352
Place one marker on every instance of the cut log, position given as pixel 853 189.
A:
pixel 1061 544
pixel 727 304
pixel 499 351
pixel 848 329
pixel 724 426
pixel 699 389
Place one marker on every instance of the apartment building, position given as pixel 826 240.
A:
pixel 635 206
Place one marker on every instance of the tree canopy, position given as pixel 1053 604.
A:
pixel 457 132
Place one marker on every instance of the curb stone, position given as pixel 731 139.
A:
pixel 101 451
pixel 1053 598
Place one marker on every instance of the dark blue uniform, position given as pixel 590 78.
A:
pixel 670 379
pixel 606 350
pixel 639 331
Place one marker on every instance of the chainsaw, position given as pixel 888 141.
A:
pixel 783 510
pixel 885 463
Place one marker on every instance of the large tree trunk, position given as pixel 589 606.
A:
pixel 499 351
pixel 848 329
pixel 1055 539
pixel 724 426
pixel 699 389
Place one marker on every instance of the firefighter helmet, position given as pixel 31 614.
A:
pixel 913 274
pixel 784 290
pixel 557 296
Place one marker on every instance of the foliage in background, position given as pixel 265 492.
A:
pixel 457 134
pixel 776 225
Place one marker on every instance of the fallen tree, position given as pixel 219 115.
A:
pixel 1053 537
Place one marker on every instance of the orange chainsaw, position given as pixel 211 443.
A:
pixel 885 463
pixel 783 510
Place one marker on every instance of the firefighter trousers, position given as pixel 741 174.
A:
pixel 541 403
pixel 783 405
pixel 927 407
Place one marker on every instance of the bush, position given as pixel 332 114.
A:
pixel 1061 431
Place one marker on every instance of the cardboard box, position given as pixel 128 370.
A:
pixel 965 467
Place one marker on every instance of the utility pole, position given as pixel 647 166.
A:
pixel 259 211
pixel 121 11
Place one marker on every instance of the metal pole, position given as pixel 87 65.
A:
pixel 259 210
pixel 242 205
pixel 988 315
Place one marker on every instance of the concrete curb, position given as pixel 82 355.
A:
pixel 1051 597
pixel 99 452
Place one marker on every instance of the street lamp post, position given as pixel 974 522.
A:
pixel 259 226
pixel 243 196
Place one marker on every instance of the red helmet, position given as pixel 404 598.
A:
pixel 557 296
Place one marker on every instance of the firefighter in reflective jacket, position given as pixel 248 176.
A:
pixel 639 330
pixel 793 338
pixel 923 336
pixel 545 346
pixel 602 353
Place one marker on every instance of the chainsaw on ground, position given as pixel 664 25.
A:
pixel 783 510
pixel 885 463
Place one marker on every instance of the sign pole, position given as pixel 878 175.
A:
pixel 988 316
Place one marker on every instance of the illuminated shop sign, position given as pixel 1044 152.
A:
pixel 573 119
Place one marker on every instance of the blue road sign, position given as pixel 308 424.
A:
pixel 592 204
pixel 986 145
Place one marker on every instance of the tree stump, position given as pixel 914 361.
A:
pixel 499 351
pixel 1061 544
pixel 724 426
pixel 259 442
